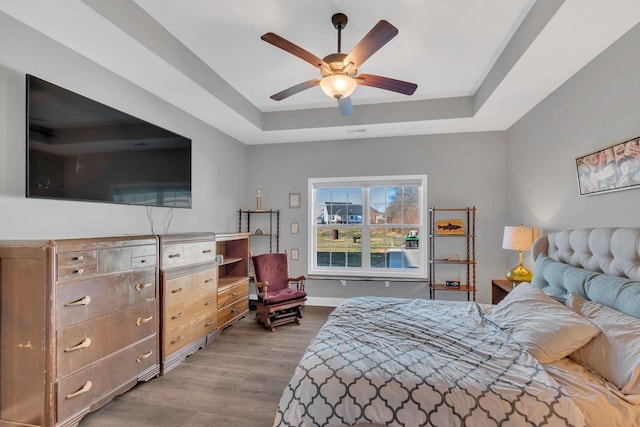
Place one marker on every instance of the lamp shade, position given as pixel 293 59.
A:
pixel 338 85
pixel 517 238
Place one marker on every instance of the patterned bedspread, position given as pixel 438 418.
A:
pixel 402 362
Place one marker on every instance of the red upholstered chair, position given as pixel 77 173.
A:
pixel 278 303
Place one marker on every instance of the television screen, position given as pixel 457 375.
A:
pixel 80 149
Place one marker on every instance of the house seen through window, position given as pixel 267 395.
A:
pixel 368 226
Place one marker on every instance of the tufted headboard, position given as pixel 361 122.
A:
pixel 601 264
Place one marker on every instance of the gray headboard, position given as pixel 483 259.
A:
pixel 601 264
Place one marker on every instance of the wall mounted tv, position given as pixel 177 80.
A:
pixel 80 149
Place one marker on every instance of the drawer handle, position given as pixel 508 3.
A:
pixel 85 388
pixel 209 323
pixel 207 251
pixel 142 321
pixel 142 261
pixel 78 258
pixel 84 344
pixel 143 356
pixel 174 256
pixel 234 309
pixel 78 271
pixel 180 338
pixel 177 316
pixel 141 286
pixel 209 280
pixel 209 302
pixel 234 293
pixel 82 301
pixel 175 291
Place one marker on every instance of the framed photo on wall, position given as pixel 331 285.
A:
pixel 610 169
pixel 295 201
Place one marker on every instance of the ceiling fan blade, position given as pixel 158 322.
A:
pixel 387 83
pixel 345 106
pixel 377 37
pixel 295 89
pixel 294 49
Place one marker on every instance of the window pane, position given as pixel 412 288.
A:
pixel 339 206
pixel 322 196
pixel 323 247
pixel 379 242
pixel 411 207
pixel 394 205
pixel 395 248
pixel 339 247
pixel 354 247
pixel 402 205
pixel 385 243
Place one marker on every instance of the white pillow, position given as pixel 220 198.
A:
pixel 614 354
pixel 546 328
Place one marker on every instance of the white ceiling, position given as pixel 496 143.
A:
pixel 479 65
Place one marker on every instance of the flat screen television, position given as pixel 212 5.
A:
pixel 80 149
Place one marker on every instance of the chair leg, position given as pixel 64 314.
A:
pixel 272 319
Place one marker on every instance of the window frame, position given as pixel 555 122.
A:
pixel 366 182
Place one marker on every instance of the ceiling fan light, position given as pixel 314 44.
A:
pixel 338 85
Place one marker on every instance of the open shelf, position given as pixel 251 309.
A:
pixel 467 258
pixel 268 221
pixel 228 261
pixel 229 281
pixel 233 277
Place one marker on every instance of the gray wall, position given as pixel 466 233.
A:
pixel 525 175
pixel 598 107
pixel 219 181
pixel 462 170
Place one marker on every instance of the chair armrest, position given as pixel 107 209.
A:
pixel 299 281
pixel 262 288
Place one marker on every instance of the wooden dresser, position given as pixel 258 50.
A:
pixel 78 326
pixel 189 295
pixel 233 277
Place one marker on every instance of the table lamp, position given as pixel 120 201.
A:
pixel 518 239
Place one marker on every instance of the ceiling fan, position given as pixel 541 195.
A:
pixel 339 71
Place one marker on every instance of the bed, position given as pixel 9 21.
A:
pixel 561 351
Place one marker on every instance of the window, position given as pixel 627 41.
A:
pixel 368 226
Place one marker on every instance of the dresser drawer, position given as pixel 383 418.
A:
pixel 81 344
pixel 232 312
pixel 179 337
pixel 80 301
pixel 178 315
pixel 79 391
pixel 180 291
pixel 182 254
pixel 76 265
pixel 233 293
pixel 126 258
pixel 143 261
pixel 144 251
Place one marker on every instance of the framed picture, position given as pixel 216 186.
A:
pixel 295 227
pixel 295 200
pixel 610 169
pixel 449 227
pixel 295 254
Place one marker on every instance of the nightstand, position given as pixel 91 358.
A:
pixel 499 289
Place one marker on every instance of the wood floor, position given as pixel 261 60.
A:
pixel 237 381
